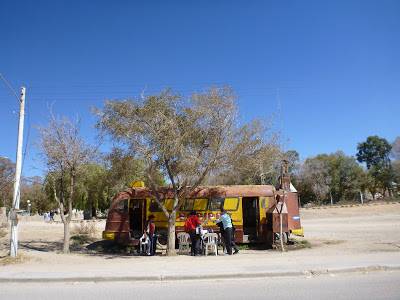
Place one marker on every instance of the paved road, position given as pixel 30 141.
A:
pixel 378 285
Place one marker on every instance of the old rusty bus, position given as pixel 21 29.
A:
pixel 247 205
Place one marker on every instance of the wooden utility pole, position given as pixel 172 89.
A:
pixel 17 183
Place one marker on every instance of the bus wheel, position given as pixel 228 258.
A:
pixel 162 241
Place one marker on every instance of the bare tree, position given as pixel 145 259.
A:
pixel 396 148
pixel 315 172
pixel 184 139
pixel 64 152
pixel 255 158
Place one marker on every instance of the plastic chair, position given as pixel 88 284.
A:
pixel 144 245
pixel 210 241
pixel 183 239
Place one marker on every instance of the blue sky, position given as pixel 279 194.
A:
pixel 328 71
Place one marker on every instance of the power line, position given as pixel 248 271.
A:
pixel 9 86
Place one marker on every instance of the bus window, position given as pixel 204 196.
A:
pixel 122 205
pixel 200 204
pixel 187 205
pixel 154 207
pixel 216 203
pixel 231 203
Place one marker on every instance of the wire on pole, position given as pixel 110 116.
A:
pixel 10 87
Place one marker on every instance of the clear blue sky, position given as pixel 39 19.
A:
pixel 336 64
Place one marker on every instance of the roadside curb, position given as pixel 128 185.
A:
pixel 164 277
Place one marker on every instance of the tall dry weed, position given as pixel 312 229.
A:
pixel 3 229
pixel 85 228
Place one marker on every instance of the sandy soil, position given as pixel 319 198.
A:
pixel 356 229
pixel 351 230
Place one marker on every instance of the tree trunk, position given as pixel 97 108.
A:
pixel 171 234
pixel 93 207
pixel 66 237
pixel 330 195
pixel 68 218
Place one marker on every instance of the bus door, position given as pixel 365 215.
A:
pixel 137 217
pixel 250 217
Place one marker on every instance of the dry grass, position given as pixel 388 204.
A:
pixel 3 229
pixel 7 260
pixel 87 228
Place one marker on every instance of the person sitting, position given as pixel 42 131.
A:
pixel 191 223
pixel 150 231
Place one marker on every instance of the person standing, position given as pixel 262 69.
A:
pixel 52 215
pixel 150 231
pixel 234 246
pixel 190 227
pixel 226 221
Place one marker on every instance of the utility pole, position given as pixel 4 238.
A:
pixel 17 185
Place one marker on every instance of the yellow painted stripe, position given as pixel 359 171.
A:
pixel 298 232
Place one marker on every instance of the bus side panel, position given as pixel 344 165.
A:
pixel 159 217
pixel 118 225
pixel 237 220
pixel 263 204
pixel 292 204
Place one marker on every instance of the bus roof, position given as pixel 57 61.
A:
pixel 205 191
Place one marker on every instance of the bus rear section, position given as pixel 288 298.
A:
pixel 118 225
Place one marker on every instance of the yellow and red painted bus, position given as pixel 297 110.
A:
pixel 246 204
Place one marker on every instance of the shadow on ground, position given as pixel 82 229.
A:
pixel 110 250
pixel 43 246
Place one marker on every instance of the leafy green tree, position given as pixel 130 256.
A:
pixel 334 176
pixel 396 175
pixel 33 189
pixel 345 173
pixel 7 171
pixel 374 152
pixel 92 189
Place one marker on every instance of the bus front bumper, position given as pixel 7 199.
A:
pixel 109 236
pixel 298 232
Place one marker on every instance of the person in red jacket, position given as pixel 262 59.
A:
pixel 190 227
pixel 150 231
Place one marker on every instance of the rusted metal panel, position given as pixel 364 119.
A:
pixel 291 200
pixel 221 191
pixel 273 218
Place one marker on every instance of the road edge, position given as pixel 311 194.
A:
pixel 220 276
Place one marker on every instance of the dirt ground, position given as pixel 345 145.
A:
pixel 356 229
pixel 372 228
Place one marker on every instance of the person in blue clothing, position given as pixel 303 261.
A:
pixel 226 221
